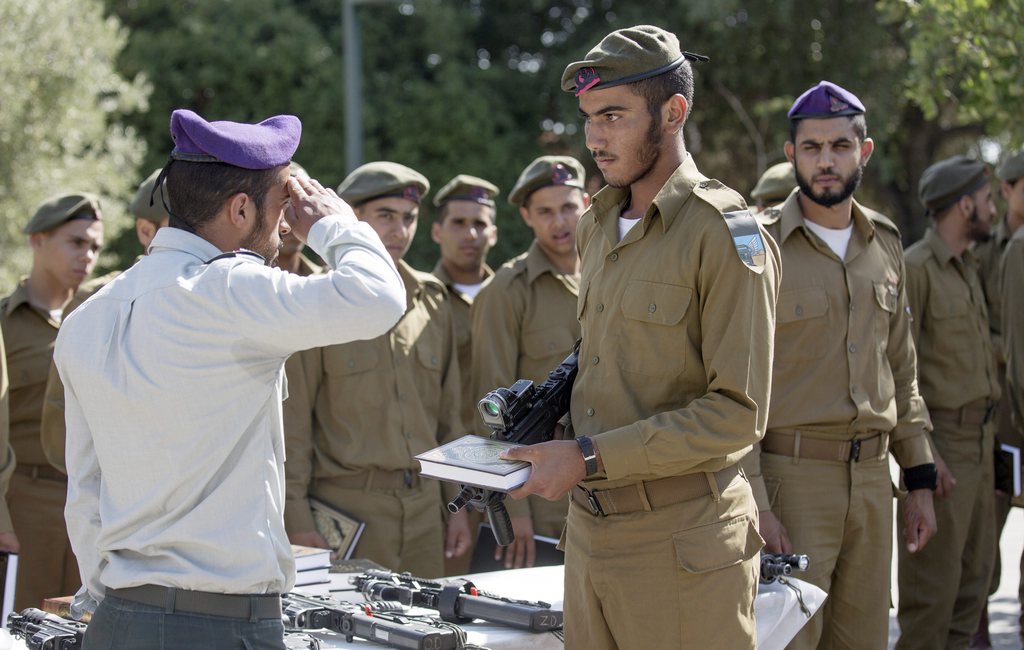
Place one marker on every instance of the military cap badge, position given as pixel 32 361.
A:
pixel 559 174
pixel 586 78
pixel 412 193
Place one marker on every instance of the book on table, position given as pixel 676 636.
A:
pixel 339 529
pixel 310 558
pixel 474 460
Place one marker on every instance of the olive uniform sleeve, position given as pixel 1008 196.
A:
pixel 7 460
pixel 909 442
pixel 497 324
pixel 449 419
pixel 1013 327
pixel 304 372
pixel 52 429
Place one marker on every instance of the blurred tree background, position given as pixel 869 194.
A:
pixel 472 86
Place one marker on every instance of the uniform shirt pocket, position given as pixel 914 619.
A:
pixel 718 545
pixel 429 356
pixel 548 342
pixel 650 342
pixel 887 299
pixel 801 330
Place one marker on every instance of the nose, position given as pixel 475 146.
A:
pixel 283 227
pixel 594 137
pixel 825 159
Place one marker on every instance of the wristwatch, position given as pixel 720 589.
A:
pixel 589 455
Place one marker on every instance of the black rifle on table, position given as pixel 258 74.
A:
pixel 44 631
pixel 778 565
pixel 524 414
pixel 457 600
pixel 354 621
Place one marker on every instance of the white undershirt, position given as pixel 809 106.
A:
pixel 57 314
pixel 837 240
pixel 625 225
pixel 468 289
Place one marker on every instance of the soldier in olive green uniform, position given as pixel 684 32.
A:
pixel 1011 172
pixel 148 219
pixel 65 234
pixel 774 186
pixel 357 413
pixel 524 321
pixel 465 232
pixel 676 308
pixel 844 384
pixel 943 587
pixel 8 538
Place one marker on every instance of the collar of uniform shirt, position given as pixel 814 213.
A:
pixel 793 219
pixel 668 201
pixel 176 239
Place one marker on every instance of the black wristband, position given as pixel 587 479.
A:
pixel 589 455
pixel 921 477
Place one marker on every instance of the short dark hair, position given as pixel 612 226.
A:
pixel 198 190
pixel 859 124
pixel 442 213
pixel 657 90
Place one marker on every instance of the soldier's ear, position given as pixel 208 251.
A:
pixel 866 148
pixel 790 150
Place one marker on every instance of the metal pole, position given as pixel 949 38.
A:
pixel 352 52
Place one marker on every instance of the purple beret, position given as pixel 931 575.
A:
pixel 270 143
pixel 826 100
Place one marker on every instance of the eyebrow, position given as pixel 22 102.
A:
pixel 840 140
pixel 606 109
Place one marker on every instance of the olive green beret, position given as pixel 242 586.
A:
pixel 467 188
pixel 140 206
pixel 378 180
pixel 626 56
pixel 1012 167
pixel 775 183
pixel 946 181
pixel 63 208
pixel 545 172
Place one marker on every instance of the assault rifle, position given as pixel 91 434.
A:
pixel 45 631
pixel 457 600
pixel 777 565
pixel 523 414
pixel 363 622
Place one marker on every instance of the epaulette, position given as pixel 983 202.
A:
pixel 429 281
pixel 768 216
pixel 747 238
pixel 880 219
pixel 717 194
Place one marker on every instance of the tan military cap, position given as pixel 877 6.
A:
pixel 63 208
pixel 775 183
pixel 378 180
pixel 467 188
pixel 1012 167
pixel 626 56
pixel 544 172
pixel 943 183
pixel 140 206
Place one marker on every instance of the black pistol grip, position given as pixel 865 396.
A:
pixel 501 524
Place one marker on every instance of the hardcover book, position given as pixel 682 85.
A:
pixel 339 529
pixel 473 460
pixel 8 575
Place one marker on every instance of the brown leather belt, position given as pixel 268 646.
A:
pixel 967 416
pixel 243 606
pixel 649 495
pixel 46 472
pixel 844 451
pixel 378 479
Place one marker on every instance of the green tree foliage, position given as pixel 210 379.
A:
pixel 453 86
pixel 61 110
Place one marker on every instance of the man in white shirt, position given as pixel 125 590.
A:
pixel 174 377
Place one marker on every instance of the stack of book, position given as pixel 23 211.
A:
pixel 312 570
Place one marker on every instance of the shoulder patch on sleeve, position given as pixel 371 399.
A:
pixel 748 239
pixel 768 216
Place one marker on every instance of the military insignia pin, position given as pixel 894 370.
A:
pixel 586 78
pixel 836 105
pixel 560 175
pixel 411 192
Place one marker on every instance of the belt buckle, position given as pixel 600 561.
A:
pixel 595 507
pixel 407 478
pixel 855 450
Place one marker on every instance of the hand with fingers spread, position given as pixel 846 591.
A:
pixel 310 202
pixel 522 552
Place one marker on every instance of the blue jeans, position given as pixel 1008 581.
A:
pixel 120 623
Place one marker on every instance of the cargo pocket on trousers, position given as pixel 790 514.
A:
pixel 718 545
